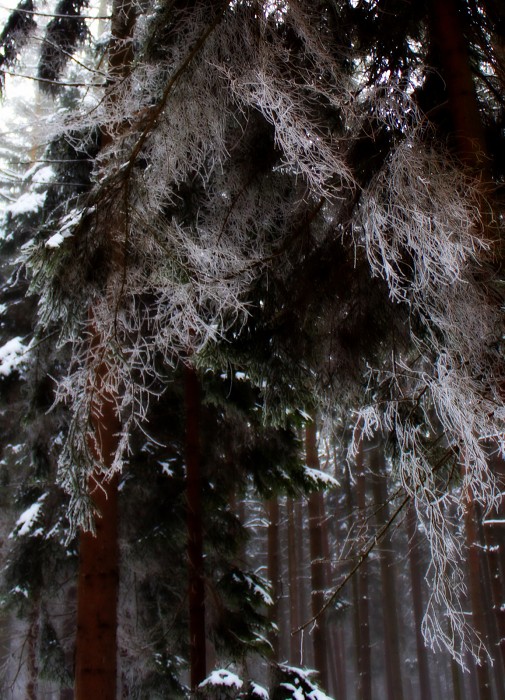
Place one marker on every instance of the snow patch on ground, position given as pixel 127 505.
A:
pixel 11 355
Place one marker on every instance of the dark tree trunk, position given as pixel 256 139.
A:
pixel 389 601
pixel 416 577
pixel 364 651
pixel 494 535
pixel 317 563
pixel 295 651
pixel 453 51
pixel 491 619
pixel 98 579
pixel 304 588
pixel 476 595
pixel 350 507
pixel 457 686
pixel 334 649
pixel 196 581
pixel 97 592
pixel 452 45
pixel 273 566
pixel 32 665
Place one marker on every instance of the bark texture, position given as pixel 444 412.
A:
pixel 196 581
pixel 392 656
pixel 363 612
pixel 416 577
pixel 317 563
pixel 273 568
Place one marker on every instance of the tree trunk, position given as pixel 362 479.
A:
pixel 295 641
pixel 273 567
pixel 98 577
pixel 97 592
pixel 304 588
pixel 453 52
pixel 32 665
pixel 389 601
pixel 334 649
pixel 364 651
pixel 478 614
pixel 416 577
pixel 317 563
pixel 196 582
pixel 494 530
pixel 350 508
pixel 491 619
pixel 457 686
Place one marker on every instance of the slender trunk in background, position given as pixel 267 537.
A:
pixel 364 650
pixel 196 582
pixel 295 641
pixel 494 531
pixel 392 655
pixel 317 563
pixel 350 509
pixel 32 640
pixel 457 686
pixel 416 577
pixel 476 598
pixel 336 670
pixel 68 629
pixel 496 667
pixel 304 588
pixel 273 567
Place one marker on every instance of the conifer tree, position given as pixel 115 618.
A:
pixel 278 190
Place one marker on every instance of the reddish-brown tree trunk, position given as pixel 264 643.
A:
pixel 304 587
pixel 196 581
pixel 364 650
pixel 494 535
pixel 453 50
pixel 98 577
pixel 317 563
pixel 496 667
pixel 98 580
pixel 336 669
pixel 97 590
pixel 295 651
pixel 389 602
pixel 350 508
pixel 478 614
pixel 273 570
pixel 457 686
pixel 416 576
pixel 32 666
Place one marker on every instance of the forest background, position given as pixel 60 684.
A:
pixel 251 350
